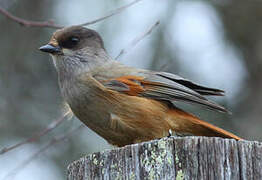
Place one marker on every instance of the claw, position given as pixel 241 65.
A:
pixel 170 133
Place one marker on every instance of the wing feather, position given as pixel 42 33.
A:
pixel 159 87
pixel 196 87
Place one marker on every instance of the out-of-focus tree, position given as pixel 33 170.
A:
pixel 243 27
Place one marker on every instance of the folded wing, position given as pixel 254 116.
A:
pixel 165 87
pixel 198 88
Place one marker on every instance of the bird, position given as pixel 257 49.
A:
pixel 122 104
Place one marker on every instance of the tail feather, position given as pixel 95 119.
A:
pixel 186 123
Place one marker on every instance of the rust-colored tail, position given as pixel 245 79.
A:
pixel 186 123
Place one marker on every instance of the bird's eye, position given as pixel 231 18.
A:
pixel 74 40
pixel 70 42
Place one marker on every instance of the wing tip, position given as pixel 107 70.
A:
pixel 221 109
pixel 211 92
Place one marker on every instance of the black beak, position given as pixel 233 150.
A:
pixel 50 49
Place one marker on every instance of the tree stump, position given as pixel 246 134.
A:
pixel 174 158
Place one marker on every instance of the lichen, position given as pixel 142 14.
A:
pixel 151 174
pixel 132 176
pixel 177 159
pixel 169 159
pixel 113 166
pixel 180 175
pixel 118 177
pixel 101 162
pixel 179 164
pixel 154 157
pixel 95 161
pixel 162 144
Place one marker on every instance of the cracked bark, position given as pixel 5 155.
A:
pixel 174 158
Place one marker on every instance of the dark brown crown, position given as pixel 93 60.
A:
pixel 76 37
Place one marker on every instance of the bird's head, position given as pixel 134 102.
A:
pixel 76 49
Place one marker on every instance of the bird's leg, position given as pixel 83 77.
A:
pixel 170 133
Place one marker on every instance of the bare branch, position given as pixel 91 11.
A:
pixel 28 23
pixel 137 40
pixel 163 67
pixel 37 136
pixel 116 11
pixel 52 142
pixel 51 24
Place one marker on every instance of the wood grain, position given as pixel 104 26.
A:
pixel 174 158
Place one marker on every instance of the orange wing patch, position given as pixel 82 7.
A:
pixel 134 84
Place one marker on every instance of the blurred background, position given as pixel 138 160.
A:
pixel 216 43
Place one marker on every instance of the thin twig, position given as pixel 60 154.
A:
pixel 137 40
pixel 27 23
pixel 163 67
pixel 35 137
pixel 52 142
pixel 116 11
pixel 51 24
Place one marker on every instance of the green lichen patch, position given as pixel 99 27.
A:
pixel 180 175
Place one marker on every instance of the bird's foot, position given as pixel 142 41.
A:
pixel 170 133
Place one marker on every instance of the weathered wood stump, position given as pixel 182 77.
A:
pixel 174 158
